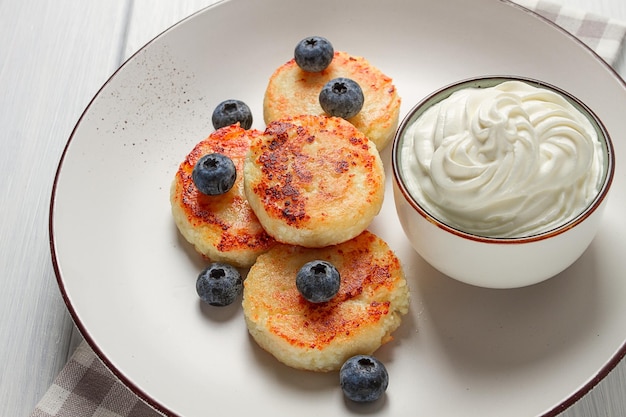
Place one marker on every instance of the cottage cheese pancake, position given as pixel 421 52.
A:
pixel 512 160
pixel 313 180
pixel 224 228
pixel 372 298
pixel 292 91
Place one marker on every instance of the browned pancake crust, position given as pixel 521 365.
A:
pixel 223 228
pixel 314 180
pixel 372 298
pixel 292 91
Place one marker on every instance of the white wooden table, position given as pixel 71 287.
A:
pixel 53 58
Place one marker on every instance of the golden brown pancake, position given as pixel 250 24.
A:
pixel 372 298
pixel 313 180
pixel 292 91
pixel 223 228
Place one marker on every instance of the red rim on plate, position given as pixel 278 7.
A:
pixel 150 398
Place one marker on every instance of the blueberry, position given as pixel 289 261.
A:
pixel 219 284
pixel 214 174
pixel 363 378
pixel 229 112
pixel 314 54
pixel 342 97
pixel 318 281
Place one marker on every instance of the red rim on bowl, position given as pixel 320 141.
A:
pixel 490 81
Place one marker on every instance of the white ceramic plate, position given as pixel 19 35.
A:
pixel 128 278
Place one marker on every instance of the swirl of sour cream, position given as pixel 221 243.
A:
pixel 511 160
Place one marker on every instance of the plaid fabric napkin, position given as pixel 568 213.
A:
pixel 86 388
pixel 602 34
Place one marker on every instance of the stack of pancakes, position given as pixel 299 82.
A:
pixel 307 188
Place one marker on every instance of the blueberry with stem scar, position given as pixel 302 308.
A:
pixel 314 54
pixel 318 281
pixel 363 378
pixel 214 174
pixel 342 97
pixel 229 112
pixel 219 284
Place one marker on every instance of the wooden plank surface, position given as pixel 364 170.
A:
pixel 53 59
pixel 47 77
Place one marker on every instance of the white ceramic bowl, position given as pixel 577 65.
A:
pixel 497 262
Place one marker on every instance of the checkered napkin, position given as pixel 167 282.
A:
pixel 604 35
pixel 86 388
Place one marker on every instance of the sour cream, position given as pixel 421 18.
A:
pixel 512 160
